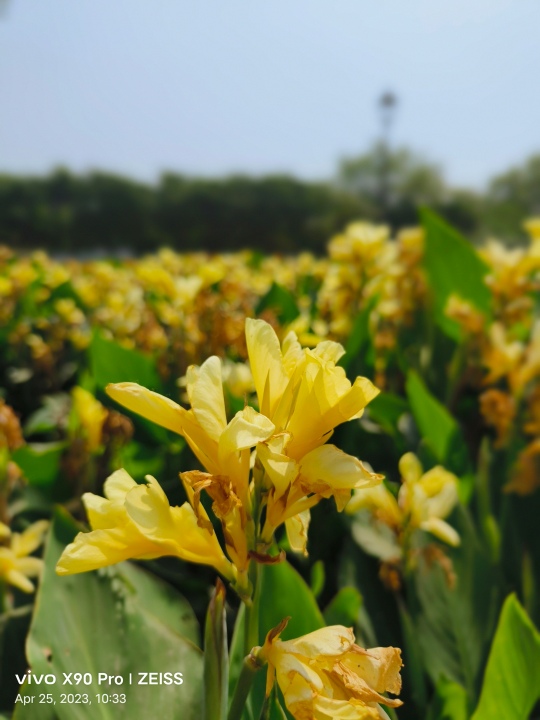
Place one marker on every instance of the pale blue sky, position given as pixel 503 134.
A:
pixel 216 86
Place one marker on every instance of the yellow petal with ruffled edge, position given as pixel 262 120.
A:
pixel 143 526
pixel 325 675
pixel 174 529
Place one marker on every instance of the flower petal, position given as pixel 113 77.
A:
pixel 152 406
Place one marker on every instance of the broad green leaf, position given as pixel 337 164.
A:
pixel 284 593
pixel 281 301
pixel 344 608
pixel 40 462
pixel 440 431
pixel 456 608
pixel 512 679
pixel 434 421
pixel 453 267
pixel 112 363
pixel 117 621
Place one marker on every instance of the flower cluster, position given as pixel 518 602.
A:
pixel 261 468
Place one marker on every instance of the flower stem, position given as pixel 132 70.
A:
pixel 251 618
pixel 243 686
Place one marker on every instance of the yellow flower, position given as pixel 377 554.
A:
pixel 323 472
pixel 136 521
pixel 16 565
pixel 424 499
pixel 361 241
pixel 324 675
pixel 91 415
pixel 222 448
pixel 303 391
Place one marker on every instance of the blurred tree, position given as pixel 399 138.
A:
pixel 512 197
pixel 410 181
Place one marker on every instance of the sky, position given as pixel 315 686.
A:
pixel 214 87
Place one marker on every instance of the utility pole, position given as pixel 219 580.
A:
pixel 387 105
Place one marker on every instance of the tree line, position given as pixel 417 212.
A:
pixel 73 214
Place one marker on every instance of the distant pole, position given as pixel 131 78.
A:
pixel 387 104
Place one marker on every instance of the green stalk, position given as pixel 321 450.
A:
pixel 251 615
pixel 243 686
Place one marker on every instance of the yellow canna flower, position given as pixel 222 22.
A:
pixel 136 522
pixel 303 395
pixel 423 501
pixel 324 675
pixel 324 472
pixel 91 415
pixel 16 565
pixel 303 391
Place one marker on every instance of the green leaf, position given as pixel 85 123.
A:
pixel 453 267
pixel 434 421
pixel 414 676
pixel 284 593
pixel 450 702
pixel 216 658
pixel 112 363
pixel 117 621
pixel 318 578
pixel 512 679
pixel 358 341
pixel 344 607
pixel 281 301
pixel 456 609
pixel 440 431
pixel 386 409
pixel 40 462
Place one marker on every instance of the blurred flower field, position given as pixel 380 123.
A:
pixel 351 442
